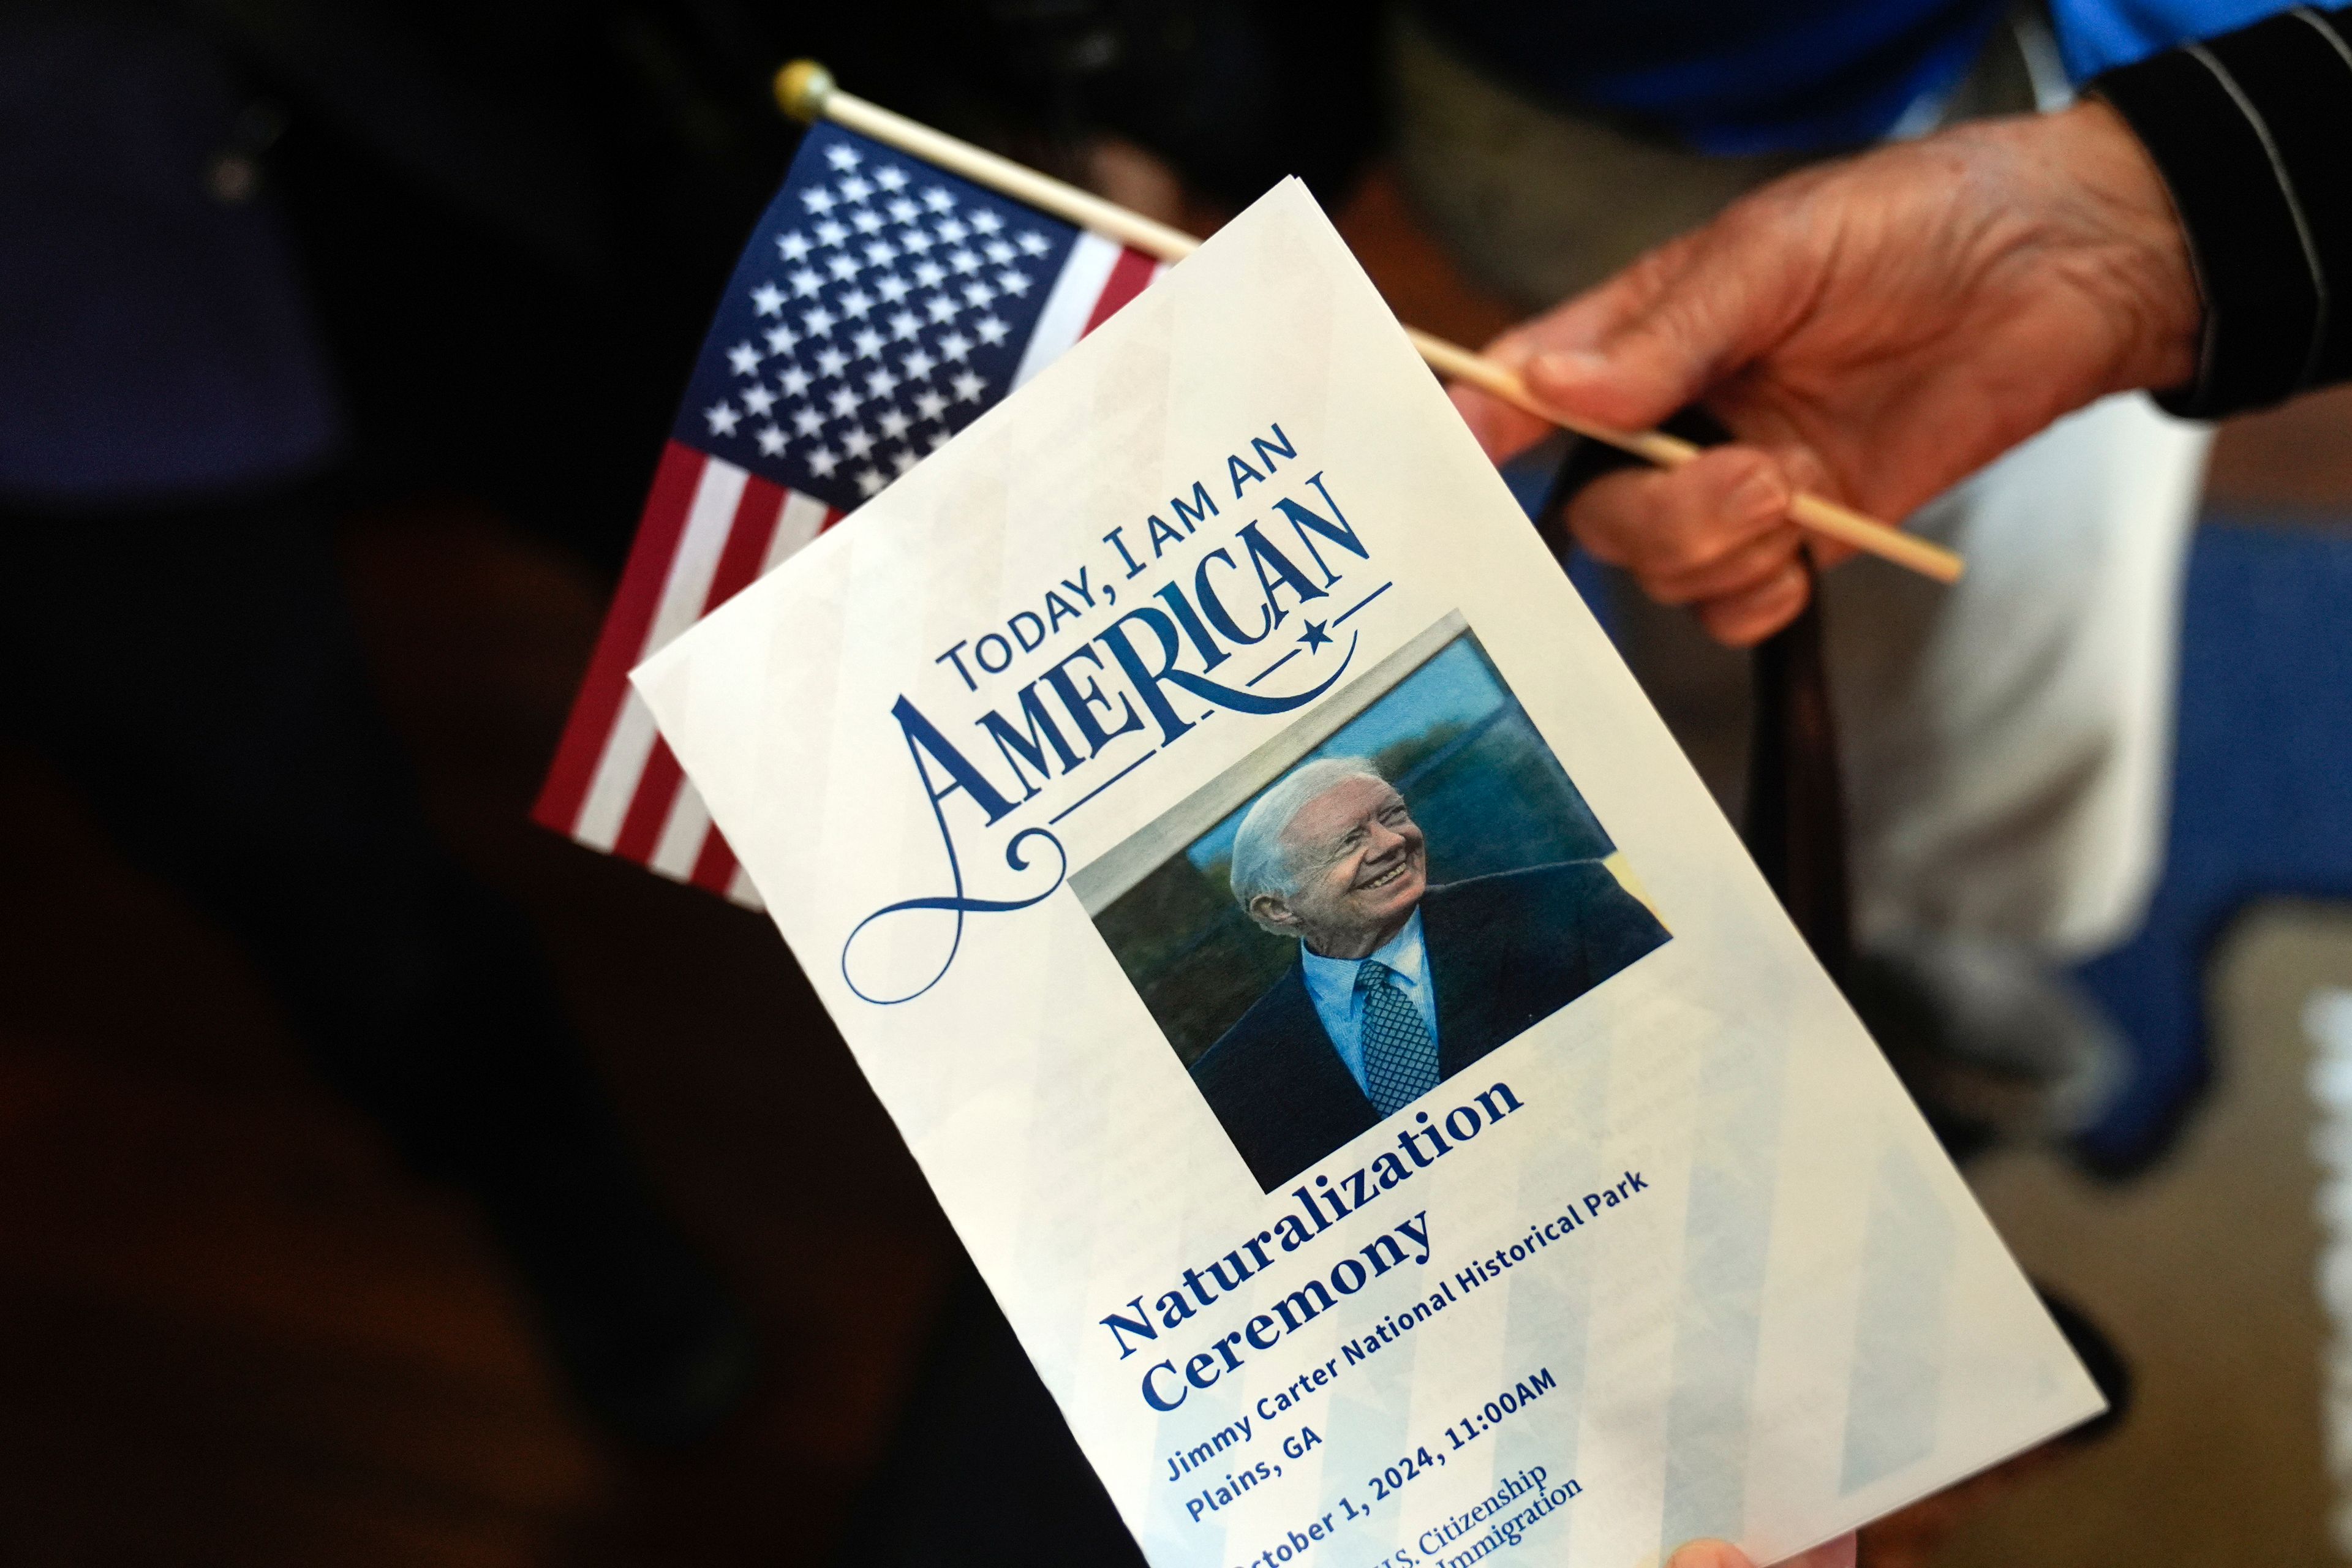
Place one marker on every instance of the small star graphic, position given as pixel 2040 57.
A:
pixel 1314 636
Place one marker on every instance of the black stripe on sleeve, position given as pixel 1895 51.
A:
pixel 2262 303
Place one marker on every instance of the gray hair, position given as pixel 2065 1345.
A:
pixel 1261 865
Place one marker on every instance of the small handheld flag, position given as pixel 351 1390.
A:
pixel 882 305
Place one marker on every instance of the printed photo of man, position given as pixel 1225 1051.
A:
pixel 1397 985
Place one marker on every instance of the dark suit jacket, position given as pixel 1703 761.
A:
pixel 1504 952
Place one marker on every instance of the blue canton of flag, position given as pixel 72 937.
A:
pixel 883 306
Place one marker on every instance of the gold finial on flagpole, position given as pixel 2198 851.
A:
pixel 801 89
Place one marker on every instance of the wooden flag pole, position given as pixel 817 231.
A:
pixel 805 90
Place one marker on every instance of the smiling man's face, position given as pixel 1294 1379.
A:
pixel 1360 865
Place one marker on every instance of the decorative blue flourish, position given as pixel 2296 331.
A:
pixel 958 904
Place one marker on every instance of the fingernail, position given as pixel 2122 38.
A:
pixel 1566 365
pixel 1760 494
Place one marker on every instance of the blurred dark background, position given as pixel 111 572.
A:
pixel 238 1326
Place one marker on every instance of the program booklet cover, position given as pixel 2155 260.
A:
pixel 1378 1089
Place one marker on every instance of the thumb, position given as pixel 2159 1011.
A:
pixel 1709 1554
pixel 1661 333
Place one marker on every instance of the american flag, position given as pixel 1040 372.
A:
pixel 882 305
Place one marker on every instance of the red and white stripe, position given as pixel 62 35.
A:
pixel 711 529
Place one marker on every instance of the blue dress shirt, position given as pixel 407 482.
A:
pixel 1331 985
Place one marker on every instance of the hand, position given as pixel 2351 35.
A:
pixel 1838 1554
pixel 1875 329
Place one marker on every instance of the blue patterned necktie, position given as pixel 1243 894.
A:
pixel 1400 1058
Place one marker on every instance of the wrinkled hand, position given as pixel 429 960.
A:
pixel 1838 1554
pixel 1875 329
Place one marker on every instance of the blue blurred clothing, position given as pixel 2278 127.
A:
pixel 1724 76
pixel 2094 36
pixel 1737 77
pixel 154 338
